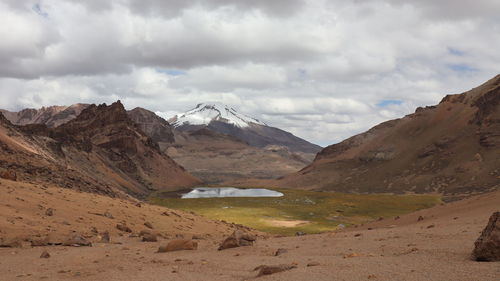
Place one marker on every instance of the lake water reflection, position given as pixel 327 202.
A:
pixel 218 192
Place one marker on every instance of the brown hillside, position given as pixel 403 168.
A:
pixel 101 151
pixel 452 148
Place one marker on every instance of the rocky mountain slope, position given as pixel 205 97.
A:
pixel 226 120
pixel 157 128
pixel 212 156
pixel 51 116
pixel 101 151
pixel 452 148
pixel 217 158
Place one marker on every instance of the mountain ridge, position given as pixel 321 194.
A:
pixel 451 148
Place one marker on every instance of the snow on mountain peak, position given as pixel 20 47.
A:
pixel 204 113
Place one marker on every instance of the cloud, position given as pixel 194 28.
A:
pixel 321 69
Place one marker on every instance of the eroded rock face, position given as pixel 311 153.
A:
pixel 9 175
pixel 487 246
pixel 237 239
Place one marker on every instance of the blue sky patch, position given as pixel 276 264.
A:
pixel 455 52
pixel 172 72
pixel 384 103
pixel 462 67
pixel 38 9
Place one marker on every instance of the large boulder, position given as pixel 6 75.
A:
pixel 237 239
pixel 487 246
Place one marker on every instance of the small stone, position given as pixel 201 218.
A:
pixel 49 212
pixel 280 251
pixel 76 240
pixel 108 215
pixel 272 269
pixel 357 234
pixel 313 264
pixel 104 237
pixel 123 228
pixel 420 218
pixel 149 238
pixel 300 233
pixel 45 255
pixel 148 225
pixel 430 226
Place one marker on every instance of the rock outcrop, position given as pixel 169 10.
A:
pixel 487 246
pixel 237 239
pixel 102 151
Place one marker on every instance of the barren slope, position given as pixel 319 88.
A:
pixel 452 148
pixel 217 158
pixel 436 248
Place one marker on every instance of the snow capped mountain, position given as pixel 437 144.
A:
pixel 204 113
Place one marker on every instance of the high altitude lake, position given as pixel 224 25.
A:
pixel 220 192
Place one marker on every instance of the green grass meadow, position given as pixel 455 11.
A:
pixel 323 211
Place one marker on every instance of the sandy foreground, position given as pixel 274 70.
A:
pixel 435 248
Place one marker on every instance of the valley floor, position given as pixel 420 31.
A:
pixel 435 248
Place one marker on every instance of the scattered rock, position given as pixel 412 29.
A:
pixel 138 205
pixel 9 175
pixel 123 228
pixel 197 237
pixel 108 215
pixel 313 264
pixel 104 237
pixel 357 234
pixel 420 218
pixel 352 255
pixel 178 245
pixel 16 242
pixel 372 276
pixel 49 212
pixel 76 240
pixel 237 239
pixel 397 218
pixel 148 225
pixel 149 238
pixel 272 269
pixel 430 226
pixel 45 255
pixel 94 230
pixel 300 233
pixel 280 252
pixel 487 246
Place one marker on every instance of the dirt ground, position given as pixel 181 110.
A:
pixel 435 248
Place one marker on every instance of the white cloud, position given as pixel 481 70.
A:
pixel 318 68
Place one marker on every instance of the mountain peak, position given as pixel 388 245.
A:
pixel 204 113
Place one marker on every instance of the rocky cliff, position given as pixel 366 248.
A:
pixel 102 150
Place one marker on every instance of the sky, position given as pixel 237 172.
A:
pixel 323 70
